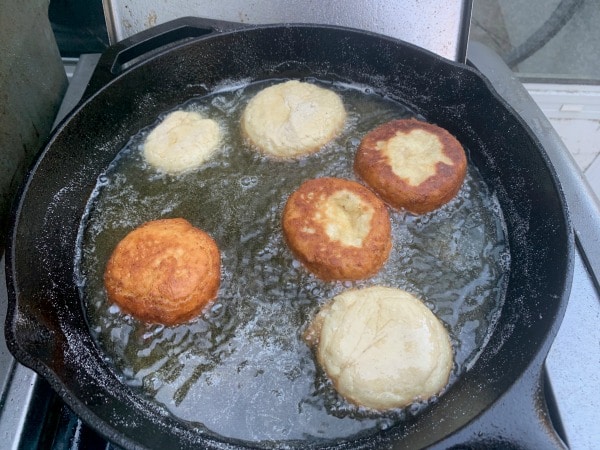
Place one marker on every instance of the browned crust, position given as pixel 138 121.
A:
pixel 374 168
pixel 165 271
pixel 327 259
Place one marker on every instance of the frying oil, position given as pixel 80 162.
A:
pixel 242 370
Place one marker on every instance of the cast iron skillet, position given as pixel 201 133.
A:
pixel 499 402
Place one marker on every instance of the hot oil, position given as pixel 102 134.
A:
pixel 242 370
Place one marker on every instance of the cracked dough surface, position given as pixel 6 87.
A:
pixel 183 141
pixel 293 119
pixel 382 347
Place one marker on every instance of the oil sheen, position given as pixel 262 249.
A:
pixel 242 369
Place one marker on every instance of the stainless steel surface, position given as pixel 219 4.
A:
pixel 438 26
pixel 6 359
pixel 83 68
pixel 17 382
pixel 16 404
pixel 584 208
pixel 32 83
pixel 573 362
pixel 574 359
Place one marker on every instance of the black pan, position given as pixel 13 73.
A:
pixel 498 402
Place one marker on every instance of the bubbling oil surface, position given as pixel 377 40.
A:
pixel 242 370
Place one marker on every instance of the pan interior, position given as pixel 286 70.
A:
pixel 242 370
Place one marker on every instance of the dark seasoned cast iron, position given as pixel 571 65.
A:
pixel 498 402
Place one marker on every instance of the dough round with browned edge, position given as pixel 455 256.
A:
pixel 337 228
pixel 183 141
pixel 382 347
pixel 165 271
pixel 293 118
pixel 411 164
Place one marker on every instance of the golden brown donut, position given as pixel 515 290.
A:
pixel 337 228
pixel 411 164
pixel 165 271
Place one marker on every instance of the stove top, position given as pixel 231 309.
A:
pixel 32 416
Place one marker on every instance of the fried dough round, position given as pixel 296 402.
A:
pixel 411 164
pixel 183 141
pixel 293 118
pixel 337 228
pixel 165 271
pixel 382 347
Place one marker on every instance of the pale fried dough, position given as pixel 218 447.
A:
pixel 293 118
pixel 382 347
pixel 183 141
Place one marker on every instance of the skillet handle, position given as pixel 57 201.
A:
pixel 520 419
pixel 142 46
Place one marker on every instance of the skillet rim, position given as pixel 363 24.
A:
pixel 46 371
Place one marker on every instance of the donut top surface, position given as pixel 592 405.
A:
pixel 293 118
pixel 346 217
pixel 382 347
pixel 181 142
pixel 412 165
pixel 338 228
pixel 414 155
pixel 164 271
